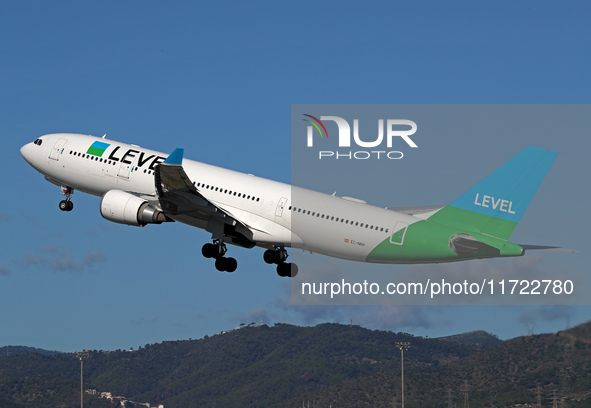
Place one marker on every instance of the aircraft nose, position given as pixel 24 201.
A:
pixel 27 152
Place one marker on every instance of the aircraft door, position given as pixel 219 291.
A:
pixel 280 207
pixel 126 168
pixel 399 232
pixel 57 149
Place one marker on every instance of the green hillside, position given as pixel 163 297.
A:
pixel 329 364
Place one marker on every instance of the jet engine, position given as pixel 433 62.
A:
pixel 124 208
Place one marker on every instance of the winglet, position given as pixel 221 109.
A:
pixel 175 157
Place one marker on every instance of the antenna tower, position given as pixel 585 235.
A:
pixel 450 398
pixel 466 400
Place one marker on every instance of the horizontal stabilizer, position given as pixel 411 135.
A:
pixel 546 248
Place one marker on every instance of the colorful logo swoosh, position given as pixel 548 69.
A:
pixel 316 126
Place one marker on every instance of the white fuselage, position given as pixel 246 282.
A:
pixel 276 214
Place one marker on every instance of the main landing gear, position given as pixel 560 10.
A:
pixel 279 256
pixel 217 250
pixel 67 205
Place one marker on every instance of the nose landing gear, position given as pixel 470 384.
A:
pixel 217 250
pixel 67 205
pixel 279 256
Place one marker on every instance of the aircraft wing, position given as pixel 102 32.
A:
pixel 179 197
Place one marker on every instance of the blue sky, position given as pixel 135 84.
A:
pixel 219 79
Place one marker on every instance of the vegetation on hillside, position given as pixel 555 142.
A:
pixel 331 364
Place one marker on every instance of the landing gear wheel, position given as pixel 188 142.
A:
pixel 231 264
pixel 278 255
pixel 275 256
pixel 215 250
pixel 226 264
pixel 66 205
pixel 209 250
pixel 220 264
pixel 287 270
pixel 294 270
pixel 282 270
pixel 270 256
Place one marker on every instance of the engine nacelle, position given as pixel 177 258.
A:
pixel 124 208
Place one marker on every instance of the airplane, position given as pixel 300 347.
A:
pixel 140 186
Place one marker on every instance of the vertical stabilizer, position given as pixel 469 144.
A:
pixel 495 205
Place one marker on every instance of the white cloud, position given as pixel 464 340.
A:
pixel 57 260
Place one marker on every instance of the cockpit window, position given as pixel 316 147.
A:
pixel 38 142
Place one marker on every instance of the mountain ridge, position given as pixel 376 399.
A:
pixel 342 365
